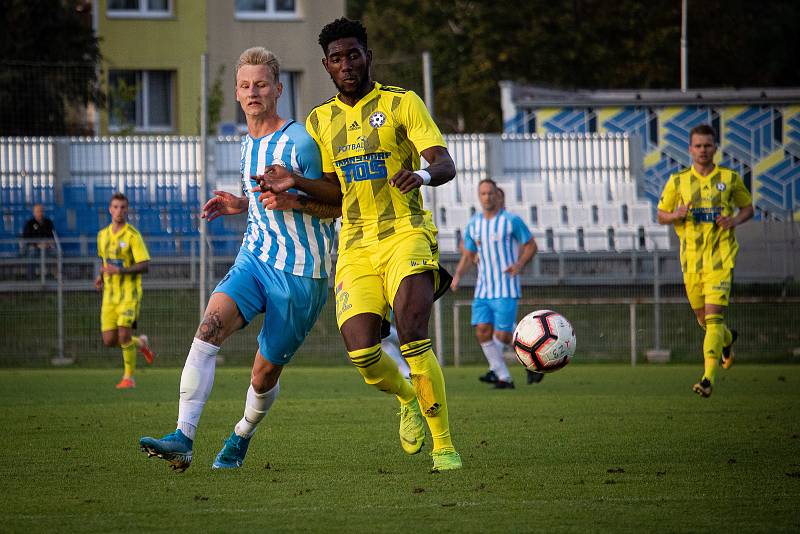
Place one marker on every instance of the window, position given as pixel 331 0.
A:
pixel 564 215
pixel 266 9
pixel 624 210
pixel 595 214
pixel 140 99
pixel 549 239
pixel 287 103
pixel 534 216
pixel 139 8
pixel 581 244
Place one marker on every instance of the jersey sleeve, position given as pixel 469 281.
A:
pixel 313 129
pixel 308 157
pixel 739 194
pixel 520 230
pixel 669 196
pixel 469 241
pixel 139 249
pixel 421 129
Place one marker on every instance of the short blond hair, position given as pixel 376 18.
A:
pixel 258 55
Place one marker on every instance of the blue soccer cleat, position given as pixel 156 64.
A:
pixel 232 454
pixel 175 448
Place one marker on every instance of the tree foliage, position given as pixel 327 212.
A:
pixel 591 44
pixel 48 58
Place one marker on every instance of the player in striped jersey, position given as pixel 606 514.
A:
pixel 125 258
pixel 371 137
pixel 701 203
pixel 281 269
pixel 501 245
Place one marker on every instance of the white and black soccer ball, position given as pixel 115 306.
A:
pixel 544 341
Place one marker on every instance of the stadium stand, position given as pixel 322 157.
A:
pixel 575 192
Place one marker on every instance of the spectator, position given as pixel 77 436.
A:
pixel 36 230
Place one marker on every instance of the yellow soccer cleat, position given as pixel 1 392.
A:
pixel 412 427
pixel 445 460
pixel 703 388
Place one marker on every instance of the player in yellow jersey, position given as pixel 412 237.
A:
pixel 371 137
pixel 125 259
pixel 701 203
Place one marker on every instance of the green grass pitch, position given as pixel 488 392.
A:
pixel 592 448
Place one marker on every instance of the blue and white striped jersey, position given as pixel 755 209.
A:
pixel 497 241
pixel 291 240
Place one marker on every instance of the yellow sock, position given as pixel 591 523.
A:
pixel 381 371
pixel 129 358
pixel 713 343
pixel 428 382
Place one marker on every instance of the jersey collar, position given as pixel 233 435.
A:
pixel 696 174
pixel 366 98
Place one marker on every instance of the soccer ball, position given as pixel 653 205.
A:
pixel 544 341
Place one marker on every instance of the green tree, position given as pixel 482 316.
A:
pixel 591 44
pixel 48 59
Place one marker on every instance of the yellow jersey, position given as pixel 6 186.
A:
pixel 122 249
pixel 705 246
pixel 366 145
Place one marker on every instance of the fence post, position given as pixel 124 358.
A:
pixel 60 359
pixel 456 341
pixel 657 300
pixel 633 333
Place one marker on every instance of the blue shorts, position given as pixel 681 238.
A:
pixel 290 303
pixel 501 313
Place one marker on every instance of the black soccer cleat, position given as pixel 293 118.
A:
pixel 489 378
pixel 703 388
pixel 534 377
pixel 727 352
pixel 502 384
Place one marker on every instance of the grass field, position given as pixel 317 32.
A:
pixel 592 448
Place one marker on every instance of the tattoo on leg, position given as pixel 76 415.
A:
pixel 210 329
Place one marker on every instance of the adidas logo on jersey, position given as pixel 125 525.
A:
pixel 353 127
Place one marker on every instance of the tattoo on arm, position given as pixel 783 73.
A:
pixel 319 209
pixel 211 329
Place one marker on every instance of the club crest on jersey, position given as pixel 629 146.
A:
pixel 377 119
pixel 122 244
pixel 720 187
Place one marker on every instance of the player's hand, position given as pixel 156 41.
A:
pixel 223 203
pixel 680 212
pixel 725 222
pixel 98 283
pixel 454 283
pixel 276 178
pixel 513 269
pixel 110 269
pixel 406 181
pixel 280 201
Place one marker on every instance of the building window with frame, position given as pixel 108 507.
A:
pixel 140 100
pixel 151 9
pixel 266 10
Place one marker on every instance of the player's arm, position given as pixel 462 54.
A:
pixel 304 203
pixel 223 203
pixel 466 261
pixel 671 208
pixel 441 170
pixel 137 268
pixel 527 251
pixel 745 214
pixel 278 179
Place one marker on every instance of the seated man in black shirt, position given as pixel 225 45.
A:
pixel 38 227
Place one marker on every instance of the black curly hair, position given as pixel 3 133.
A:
pixel 341 29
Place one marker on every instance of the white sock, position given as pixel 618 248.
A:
pixel 255 409
pixel 196 382
pixel 391 348
pixel 503 347
pixel 494 355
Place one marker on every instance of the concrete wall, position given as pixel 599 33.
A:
pixel 293 41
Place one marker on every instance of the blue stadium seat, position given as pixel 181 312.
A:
pixel 102 194
pixel 75 195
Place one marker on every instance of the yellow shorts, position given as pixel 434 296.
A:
pixel 708 288
pixel 116 314
pixel 367 278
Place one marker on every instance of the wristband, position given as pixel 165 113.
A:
pixel 425 175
